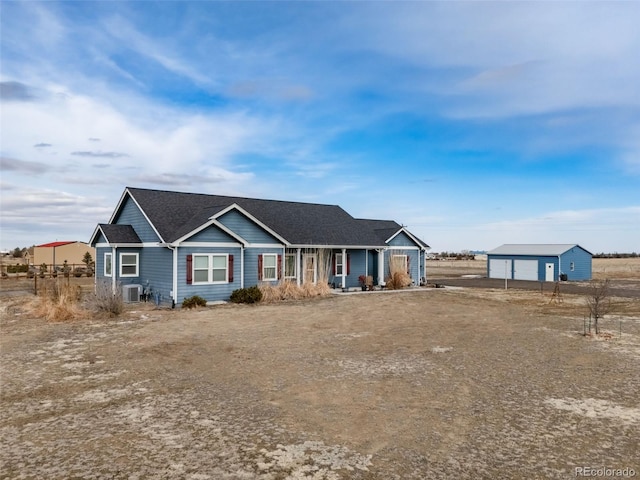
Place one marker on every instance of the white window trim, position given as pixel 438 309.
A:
pixel 339 264
pixel 120 264
pixel 295 265
pixel 406 259
pixel 264 267
pixel 104 267
pixel 210 269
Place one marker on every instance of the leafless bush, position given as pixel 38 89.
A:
pixel 105 300
pixel 598 301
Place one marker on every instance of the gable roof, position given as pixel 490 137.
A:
pixel 176 214
pixel 387 229
pixel 114 233
pixel 542 249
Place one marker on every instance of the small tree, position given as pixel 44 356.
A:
pixel 87 259
pixel 17 252
pixel 598 301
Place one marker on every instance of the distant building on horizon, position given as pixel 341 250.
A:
pixel 541 262
pixel 55 253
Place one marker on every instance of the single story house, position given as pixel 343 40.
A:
pixel 541 262
pixel 174 245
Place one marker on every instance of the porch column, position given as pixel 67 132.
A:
pixel 381 267
pixel 299 266
pixel 114 280
pixel 241 266
pixel 344 268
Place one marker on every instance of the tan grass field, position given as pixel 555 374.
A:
pixel 418 384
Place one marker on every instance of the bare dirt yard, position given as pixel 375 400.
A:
pixel 420 384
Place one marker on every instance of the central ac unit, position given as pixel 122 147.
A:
pixel 131 293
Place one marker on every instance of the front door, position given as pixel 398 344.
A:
pixel 549 273
pixel 309 270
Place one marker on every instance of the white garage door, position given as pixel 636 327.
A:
pixel 497 268
pixel 525 269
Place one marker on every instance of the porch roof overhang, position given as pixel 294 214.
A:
pixel 338 247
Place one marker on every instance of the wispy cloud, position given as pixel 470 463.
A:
pixel 100 154
pixel 16 91
pixel 15 165
pixel 522 105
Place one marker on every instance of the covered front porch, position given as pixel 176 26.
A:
pixel 347 268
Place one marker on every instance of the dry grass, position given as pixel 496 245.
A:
pixel 58 301
pixel 398 276
pixel 288 290
pixel 616 268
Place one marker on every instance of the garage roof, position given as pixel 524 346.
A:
pixel 542 249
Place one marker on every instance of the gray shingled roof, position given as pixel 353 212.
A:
pixel 119 233
pixel 175 214
pixel 541 249
pixel 385 229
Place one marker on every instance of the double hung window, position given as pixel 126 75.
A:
pixel 269 266
pixel 210 268
pixel 290 265
pixel 129 264
pixel 339 264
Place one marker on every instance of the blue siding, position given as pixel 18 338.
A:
pixel 212 234
pixel 156 270
pixel 580 258
pixel 100 261
pixel 373 265
pixel 402 240
pixel 116 265
pixel 251 264
pixel 130 214
pixel 210 293
pixel 246 228
pixel 412 258
pixel 582 264
pixel 357 262
pixel 100 239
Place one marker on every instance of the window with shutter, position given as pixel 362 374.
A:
pixel 271 266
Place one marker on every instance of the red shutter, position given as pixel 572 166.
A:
pixel 189 269
pixel 259 267
pixel 279 267
pixel 348 264
pixel 230 268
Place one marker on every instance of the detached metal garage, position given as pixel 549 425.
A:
pixel 541 262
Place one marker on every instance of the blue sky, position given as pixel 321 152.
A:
pixel 473 124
